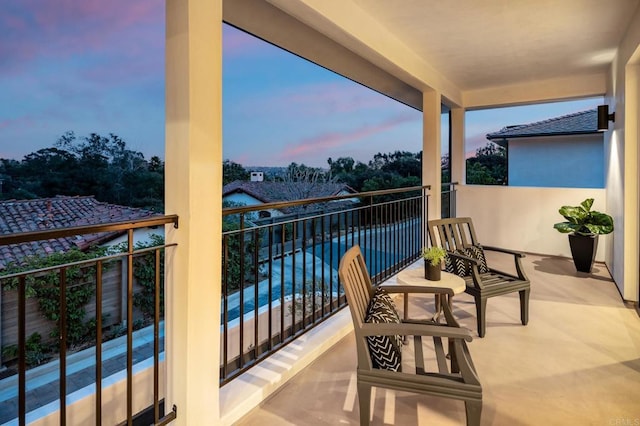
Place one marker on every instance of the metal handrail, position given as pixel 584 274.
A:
pixel 282 204
pixel 27 237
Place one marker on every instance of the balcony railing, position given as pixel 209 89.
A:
pixel 448 195
pixel 59 287
pixel 280 264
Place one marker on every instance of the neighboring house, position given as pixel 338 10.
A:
pixel 566 151
pixel 261 192
pixel 41 214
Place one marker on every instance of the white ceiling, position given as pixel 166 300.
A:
pixel 486 43
pixel 474 52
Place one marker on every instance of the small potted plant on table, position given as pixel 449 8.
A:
pixel 433 257
pixel 583 226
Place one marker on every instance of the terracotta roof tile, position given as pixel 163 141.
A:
pixel 270 192
pixel 60 212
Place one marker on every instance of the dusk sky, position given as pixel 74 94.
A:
pixel 88 67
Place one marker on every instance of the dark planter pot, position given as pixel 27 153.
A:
pixel 583 250
pixel 432 273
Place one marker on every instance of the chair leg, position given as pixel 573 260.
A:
pixel 455 368
pixel 481 309
pixel 364 402
pixel 524 306
pixel 474 411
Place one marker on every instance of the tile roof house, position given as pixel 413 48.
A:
pixel 252 193
pixel 564 151
pixel 18 216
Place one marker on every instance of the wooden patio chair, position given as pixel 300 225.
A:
pixel 379 332
pixel 466 258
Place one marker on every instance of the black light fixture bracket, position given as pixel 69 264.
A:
pixel 604 117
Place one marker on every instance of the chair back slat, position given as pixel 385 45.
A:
pixel 452 234
pixel 358 290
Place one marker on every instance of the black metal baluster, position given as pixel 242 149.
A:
pixel 294 235
pixel 270 290
pixel 130 327
pixel 304 272
pixel 225 309
pixel 323 284
pixel 156 339
pixel 313 271
pixel 331 262
pixel 241 234
pixel 22 350
pixel 63 345
pixel 98 343
pixel 283 240
pixel 256 304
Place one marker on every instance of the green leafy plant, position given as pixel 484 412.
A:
pixel 434 255
pixel 582 220
pixel 45 286
pixel 35 351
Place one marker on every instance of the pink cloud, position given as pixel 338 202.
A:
pixel 18 122
pixel 41 29
pixel 330 140
pixel 333 100
pixel 329 98
pixel 238 43
pixel 473 142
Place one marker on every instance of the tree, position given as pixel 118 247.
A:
pixel 92 165
pixel 234 239
pixel 233 171
pixel 479 175
pixel 489 166
pixel 350 172
pixel 445 168
pixel 304 180
pixel 46 172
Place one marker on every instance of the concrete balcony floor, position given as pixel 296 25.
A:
pixel 576 362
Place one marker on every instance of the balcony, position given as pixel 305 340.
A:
pixel 424 56
pixel 577 356
pixel 576 362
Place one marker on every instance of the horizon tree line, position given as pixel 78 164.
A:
pixel 103 166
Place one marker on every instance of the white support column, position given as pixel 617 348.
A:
pixel 193 176
pixel 431 151
pixel 631 178
pixel 458 154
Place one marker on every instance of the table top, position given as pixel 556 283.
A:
pixel 415 276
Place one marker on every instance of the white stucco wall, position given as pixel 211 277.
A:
pixel 248 200
pixel 622 162
pixel 142 235
pixel 242 198
pixel 562 161
pixel 522 218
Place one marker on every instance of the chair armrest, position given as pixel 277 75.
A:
pixel 471 260
pixel 404 329
pixel 503 250
pixel 517 256
pixel 409 289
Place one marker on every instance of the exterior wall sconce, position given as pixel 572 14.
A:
pixel 604 117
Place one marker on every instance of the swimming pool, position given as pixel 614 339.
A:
pixel 326 259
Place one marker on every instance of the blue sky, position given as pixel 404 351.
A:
pixel 88 67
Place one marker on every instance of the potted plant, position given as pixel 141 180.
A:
pixel 583 226
pixel 433 257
